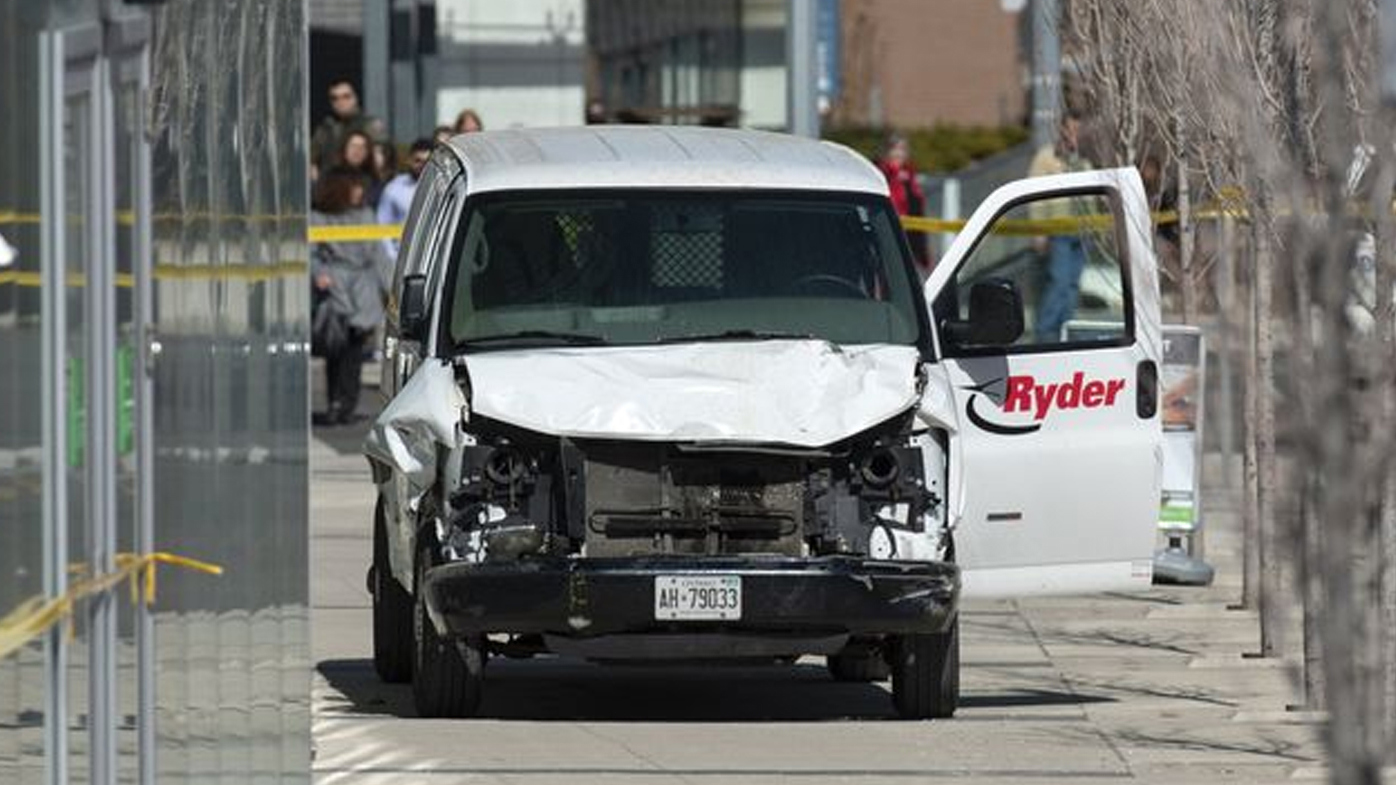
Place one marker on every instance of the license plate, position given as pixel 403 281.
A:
pixel 703 597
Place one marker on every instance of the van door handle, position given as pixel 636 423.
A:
pixel 1146 390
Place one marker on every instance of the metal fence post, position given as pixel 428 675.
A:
pixel 801 61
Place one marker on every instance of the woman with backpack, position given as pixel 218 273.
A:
pixel 350 284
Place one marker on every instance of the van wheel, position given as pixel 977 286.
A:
pixel 448 675
pixel 926 674
pixel 392 611
pixel 864 666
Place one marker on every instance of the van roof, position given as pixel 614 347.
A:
pixel 659 157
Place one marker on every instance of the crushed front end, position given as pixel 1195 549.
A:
pixel 636 549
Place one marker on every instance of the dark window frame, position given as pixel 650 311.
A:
pixel 1126 261
pixel 924 342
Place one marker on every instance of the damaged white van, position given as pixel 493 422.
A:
pixel 678 394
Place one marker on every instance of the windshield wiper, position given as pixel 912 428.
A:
pixel 533 337
pixel 739 335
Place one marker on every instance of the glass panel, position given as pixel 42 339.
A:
pixel 126 126
pixel 230 420
pixel 1063 255
pixel 647 267
pixel 22 683
pixel 77 165
pixel 231 297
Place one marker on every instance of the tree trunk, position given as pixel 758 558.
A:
pixel 1250 497
pixel 1385 317
pixel 1343 512
pixel 1272 597
pixel 1315 694
pixel 1302 361
pixel 1388 608
pixel 1224 282
pixel 1186 278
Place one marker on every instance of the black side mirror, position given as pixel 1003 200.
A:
pixel 995 316
pixel 412 308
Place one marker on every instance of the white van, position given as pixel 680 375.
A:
pixel 677 394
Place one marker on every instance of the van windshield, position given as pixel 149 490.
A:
pixel 643 267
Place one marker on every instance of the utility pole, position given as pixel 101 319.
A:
pixel 402 118
pixel 1387 524
pixel 375 96
pixel 802 81
pixel 1387 23
pixel 1046 71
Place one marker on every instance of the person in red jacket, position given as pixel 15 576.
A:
pixel 907 197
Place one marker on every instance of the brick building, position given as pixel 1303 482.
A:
pixel 915 63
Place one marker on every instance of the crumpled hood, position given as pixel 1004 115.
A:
pixel 804 393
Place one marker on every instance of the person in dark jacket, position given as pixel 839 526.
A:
pixel 358 154
pixel 351 281
pixel 905 192
pixel 345 116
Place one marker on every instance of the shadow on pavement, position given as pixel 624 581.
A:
pixel 549 689
pixel 344 439
pixel 1024 698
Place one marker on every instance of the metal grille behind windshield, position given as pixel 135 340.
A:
pixel 644 267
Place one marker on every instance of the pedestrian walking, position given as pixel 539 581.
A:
pixel 345 116
pixel 384 161
pixel 1064 252
pixel 906 194
pixel 468 122
pixel 397 194
pixel 357 154
pixel 351 281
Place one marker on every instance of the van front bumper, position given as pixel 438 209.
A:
pixel 835 595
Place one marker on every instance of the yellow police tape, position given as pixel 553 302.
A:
pixel 356 233
pixel 1024 227
pixel 1010 227
pixel 38 614
pixel 249 273
pixel 353 233
pixel 128 217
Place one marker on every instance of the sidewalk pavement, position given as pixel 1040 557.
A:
pixel 1152 686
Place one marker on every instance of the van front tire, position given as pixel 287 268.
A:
pixel 392 612
pixel 448 676
pixel 926 674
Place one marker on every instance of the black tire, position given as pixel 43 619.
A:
pixel 864 667
pixel 926 674
pixel 448 676
pixel 393 649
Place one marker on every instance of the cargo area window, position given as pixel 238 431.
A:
pixel 1065 256
pixel 638 267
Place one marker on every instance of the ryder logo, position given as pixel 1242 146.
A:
pixel 1024 395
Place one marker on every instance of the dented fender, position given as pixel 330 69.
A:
pixel 402 449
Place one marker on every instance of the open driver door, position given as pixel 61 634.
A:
pixel 1046 312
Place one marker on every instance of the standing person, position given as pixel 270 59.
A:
pixel 398 193
pixel 351 281
pixel 441 134
pixel 1065 254
pixel 907 197
pixel 344 117
pixel 468 122
pixel 384 161
pixel 357 154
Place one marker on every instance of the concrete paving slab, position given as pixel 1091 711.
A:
pixel 1149 687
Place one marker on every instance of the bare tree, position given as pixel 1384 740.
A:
pixel 1276 96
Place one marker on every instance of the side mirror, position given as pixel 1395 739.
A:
pixel 995 316
pixel 412 308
